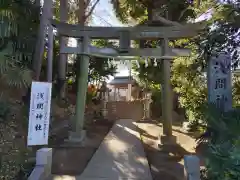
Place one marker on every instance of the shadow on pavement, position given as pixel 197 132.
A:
pixel 166 162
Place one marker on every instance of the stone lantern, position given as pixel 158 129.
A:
pixel 104 91
pixel 146 104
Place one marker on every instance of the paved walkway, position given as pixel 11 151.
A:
pixel 120 157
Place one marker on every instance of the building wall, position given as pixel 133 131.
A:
pixel 125 110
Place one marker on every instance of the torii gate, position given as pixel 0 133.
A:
pixel 125 35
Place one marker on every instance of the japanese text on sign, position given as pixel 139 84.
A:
pixel 39 113
pixel 219 81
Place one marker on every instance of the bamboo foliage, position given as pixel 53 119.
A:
pixel 17 38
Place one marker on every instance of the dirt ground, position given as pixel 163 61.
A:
pixel 69 160
pixel 166 163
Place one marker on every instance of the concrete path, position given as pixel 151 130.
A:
pixel 120 156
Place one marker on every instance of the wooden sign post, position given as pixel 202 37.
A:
pixel 39 113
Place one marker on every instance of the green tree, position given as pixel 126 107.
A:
pixel 17 37
pixel 18 29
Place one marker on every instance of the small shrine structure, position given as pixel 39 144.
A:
pixel 122 87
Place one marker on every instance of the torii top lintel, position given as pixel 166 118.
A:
pixel 139 32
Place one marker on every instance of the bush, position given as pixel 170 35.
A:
pixel 13 150
pixel 223 139
pixel 25 170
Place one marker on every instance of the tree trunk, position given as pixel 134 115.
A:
pixel 50 54
pixel 39 49
pixel 81 12
pixel 82 18
pixel 62 66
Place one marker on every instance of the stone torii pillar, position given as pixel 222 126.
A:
pixel 78 133
pixel 167 99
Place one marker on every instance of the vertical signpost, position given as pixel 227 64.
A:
pixel 39 113
pixel 220 81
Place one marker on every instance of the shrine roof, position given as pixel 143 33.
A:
pixel 122 80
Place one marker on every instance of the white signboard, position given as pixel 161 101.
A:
pixel 39 113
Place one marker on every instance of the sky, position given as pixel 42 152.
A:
pixel 104 15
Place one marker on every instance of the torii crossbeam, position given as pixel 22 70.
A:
pixel 139 32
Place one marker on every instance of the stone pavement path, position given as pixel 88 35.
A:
pixel 120 157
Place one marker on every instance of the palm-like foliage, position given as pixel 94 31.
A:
pixel 18 27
